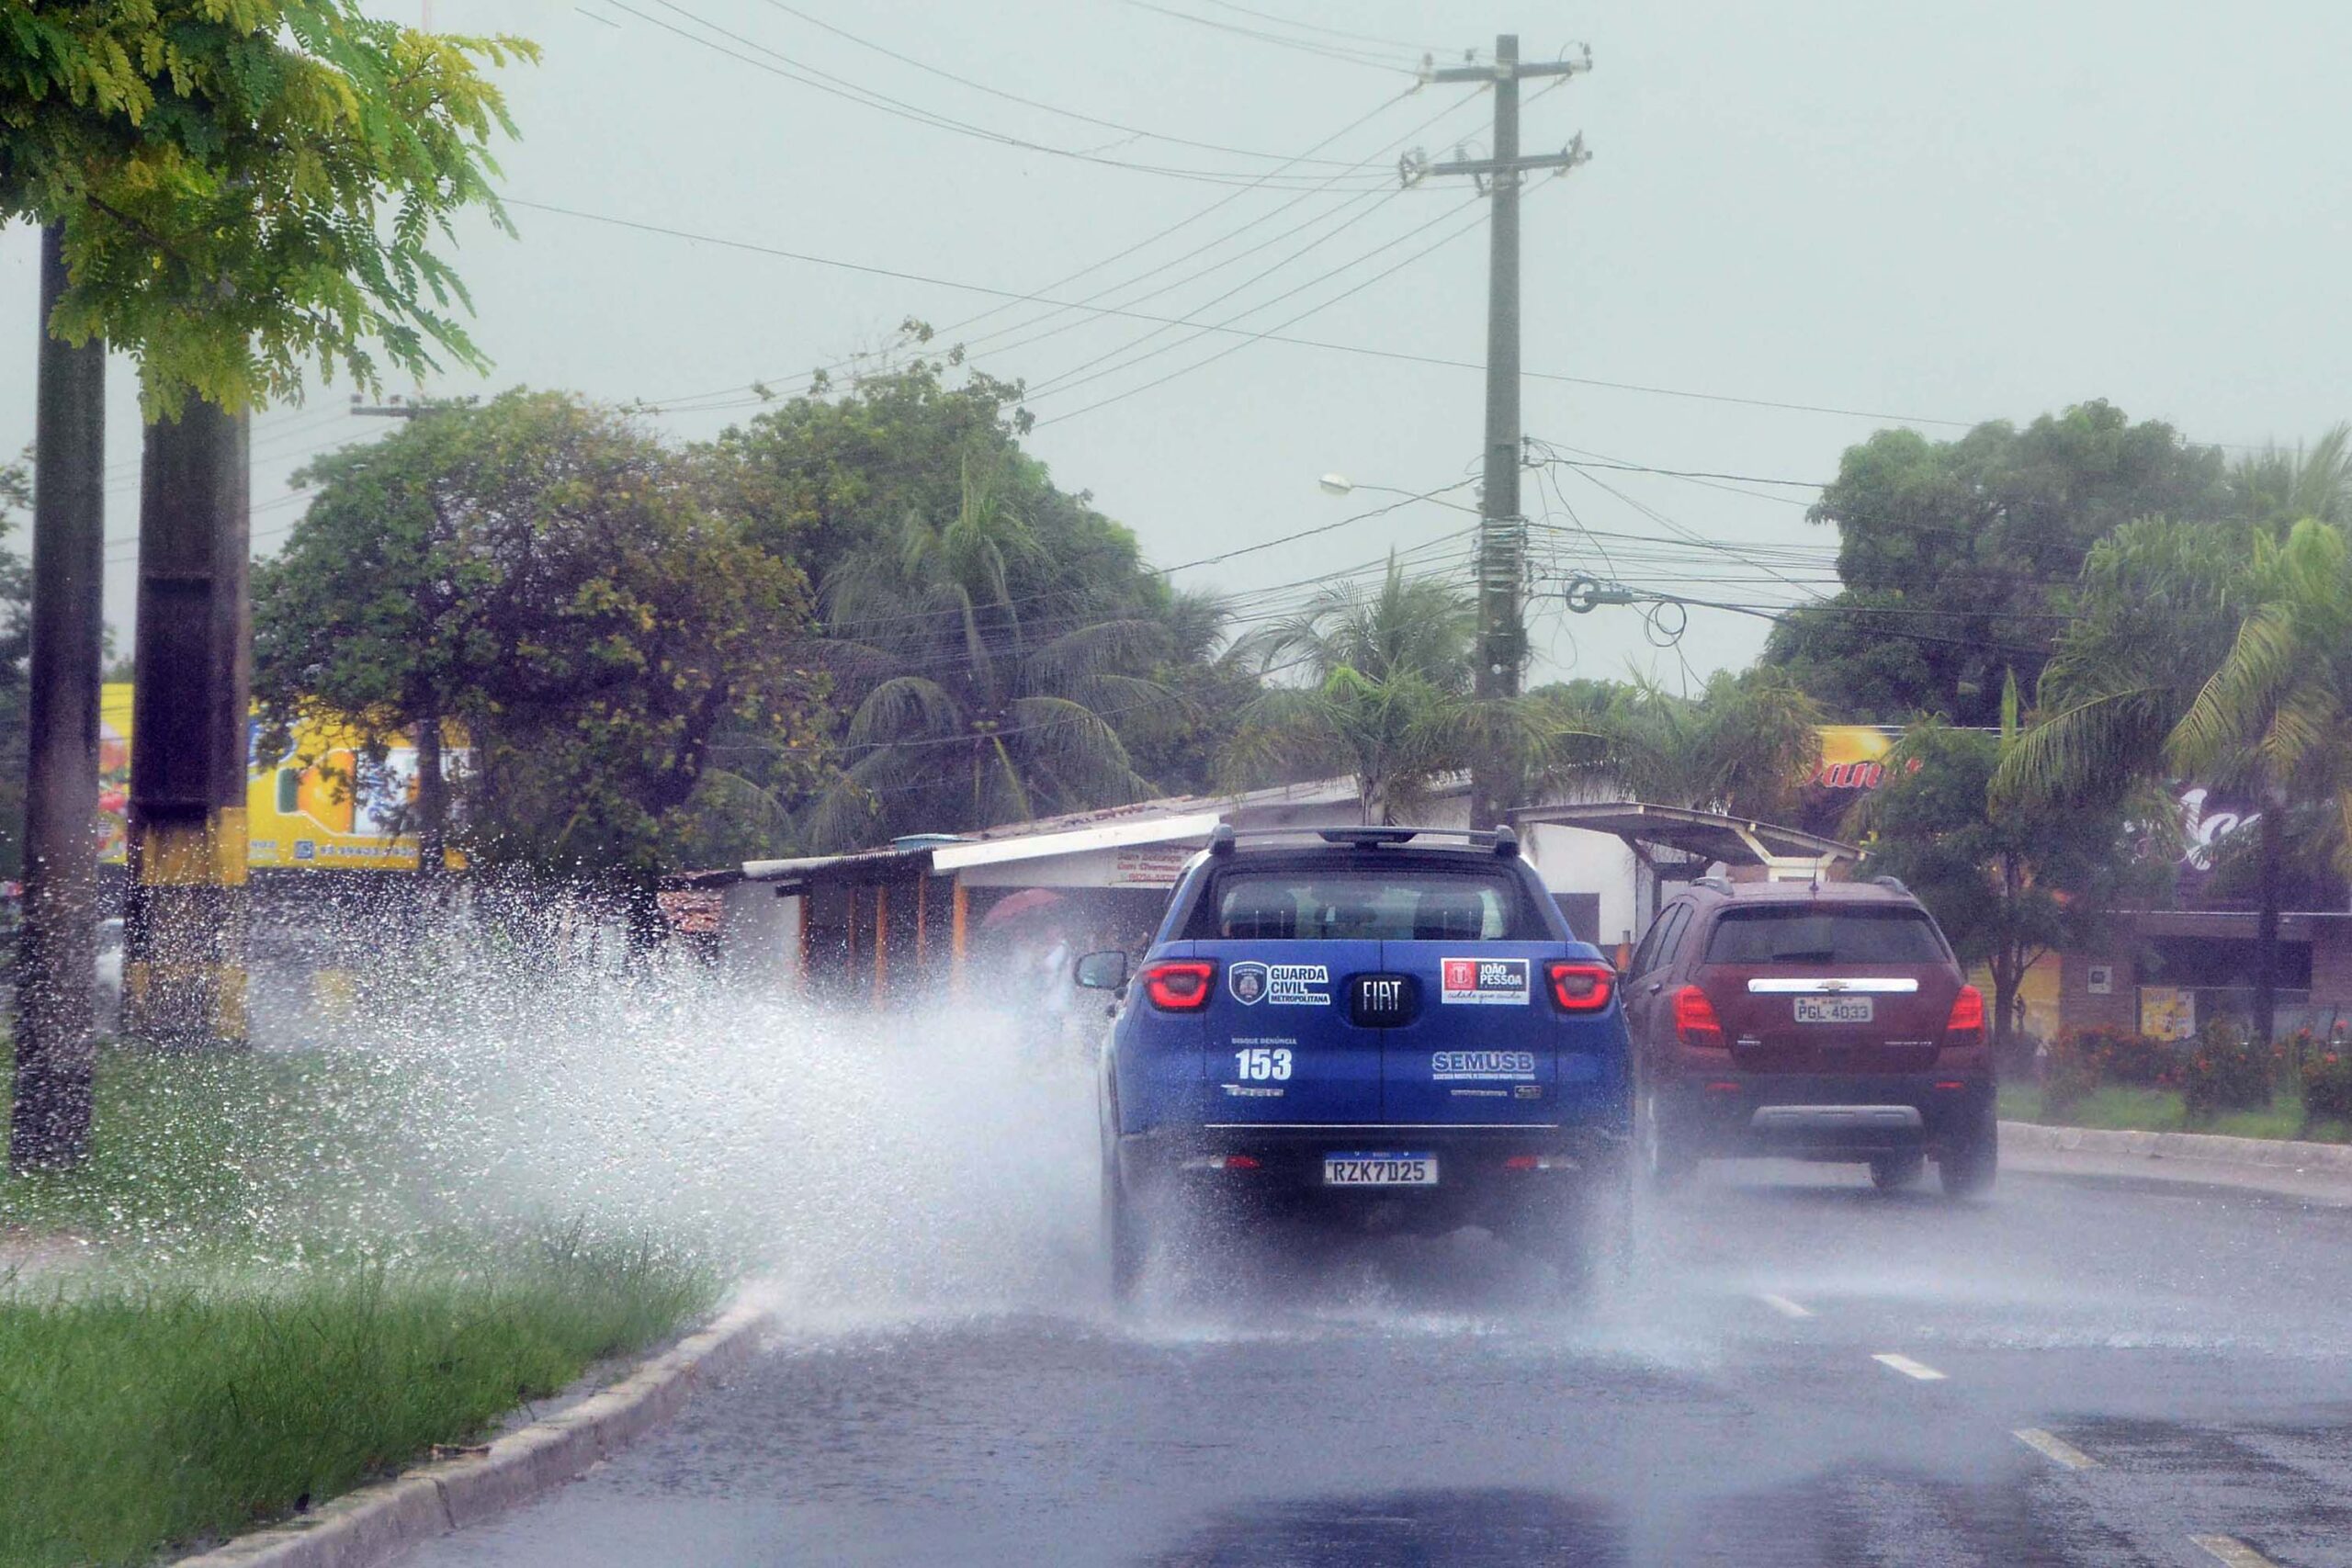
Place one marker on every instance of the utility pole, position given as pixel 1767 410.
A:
pixel 184 931
pixel 1502 531
pixel 50 1123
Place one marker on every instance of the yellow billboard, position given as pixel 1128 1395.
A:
pixel 315 807
pixel 1853 756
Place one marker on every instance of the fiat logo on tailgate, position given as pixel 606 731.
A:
pixel 1379 1001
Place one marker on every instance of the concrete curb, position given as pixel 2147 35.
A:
pixel 376 1523
pixel 2273 1154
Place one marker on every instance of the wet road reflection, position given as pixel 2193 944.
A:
pixel 1312 1401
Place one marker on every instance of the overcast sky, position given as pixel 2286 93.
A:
pixel 1934 214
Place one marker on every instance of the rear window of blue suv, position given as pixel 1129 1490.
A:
pixel 1382 903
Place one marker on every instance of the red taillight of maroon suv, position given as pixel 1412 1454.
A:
pixel 1966 1025
pixel 1695 1022
pixel 1179 984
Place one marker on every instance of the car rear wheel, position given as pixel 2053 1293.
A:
pixel 1892 1173
pixel 1967 1166
pixel 1666 1157
pixel 1124 1237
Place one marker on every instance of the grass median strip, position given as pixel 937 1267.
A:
pixel 275 1312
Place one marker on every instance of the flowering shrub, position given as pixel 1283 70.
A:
pixel 2089 1058
pixel 2327 1082
pixel 2226 1071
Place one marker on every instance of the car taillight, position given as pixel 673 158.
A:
pixel 1179 984
pixel 1695 1022
pixel 1967 1013
pixel 1581 988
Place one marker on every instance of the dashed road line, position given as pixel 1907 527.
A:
pixel 1907 1367
pixel 1784 1306
pixel 2229 1549
pixel 2057 1450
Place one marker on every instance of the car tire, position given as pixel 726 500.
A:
pixel 1126 1238
pixel 1894 1172
pixel 1666 1158
pixel 1967 1166
pixel 1586 1233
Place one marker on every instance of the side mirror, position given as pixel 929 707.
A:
pixel 1104 970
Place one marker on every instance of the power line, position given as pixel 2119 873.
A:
pixel 946 74
pixel 1362 350
pixel 1270 335
pixel 1328 51
pixel 734 397
pixel 1069 378
pixel 825 82
pixel 1328 32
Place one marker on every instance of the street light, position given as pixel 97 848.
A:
pixel 1340 484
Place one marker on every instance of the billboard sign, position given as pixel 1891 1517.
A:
pixel 319 806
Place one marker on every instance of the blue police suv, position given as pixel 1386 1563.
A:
pixel 1389 1026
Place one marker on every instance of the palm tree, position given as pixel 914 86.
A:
pixel 2214 653
pixel 1744 744
pixel 978 705
pixel 2277 486
pixel 1384 694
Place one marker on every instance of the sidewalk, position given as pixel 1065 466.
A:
pixel 2318 1173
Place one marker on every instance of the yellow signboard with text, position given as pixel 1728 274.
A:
pixel 319 806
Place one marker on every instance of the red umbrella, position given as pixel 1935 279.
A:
pixel 1013 907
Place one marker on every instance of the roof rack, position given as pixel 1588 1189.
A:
pixel 1714 883
pixel 1894 883
pixel 1224 836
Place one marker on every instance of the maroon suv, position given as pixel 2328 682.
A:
pixel 1824 1022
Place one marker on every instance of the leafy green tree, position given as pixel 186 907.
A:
pixel 1959 557
pixel 2219 655
pixel 544 573
pixel 1746 744
pixel 958 582
pixel 2009 881
pixel 249 189
pixel 1382 692
pixel 976 708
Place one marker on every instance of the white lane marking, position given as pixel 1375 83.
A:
pixel 1784 1306
pixel 2236 1553
pixel 2057 1450
pixel 1907 1367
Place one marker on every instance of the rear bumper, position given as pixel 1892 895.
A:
pixel 1484 1174
pixel 1825 1116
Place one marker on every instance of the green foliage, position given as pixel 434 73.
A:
pixel 142 1416
pixel 249 187
pixel 2008 882
pixel 547 575
pixel 1746 744
pixel 1383 694
pixel 1957 555
pixel 2228 1069
pixel 999 646
pixel 2327 1080
pixel 2082 1063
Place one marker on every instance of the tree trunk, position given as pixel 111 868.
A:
pixel 2265 928
pixel 432 795
pixel 49 1124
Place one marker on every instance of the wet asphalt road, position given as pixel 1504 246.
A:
pixel 2182 1354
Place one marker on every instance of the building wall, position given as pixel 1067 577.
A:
pixel 2332 964
pixel 2079 1009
